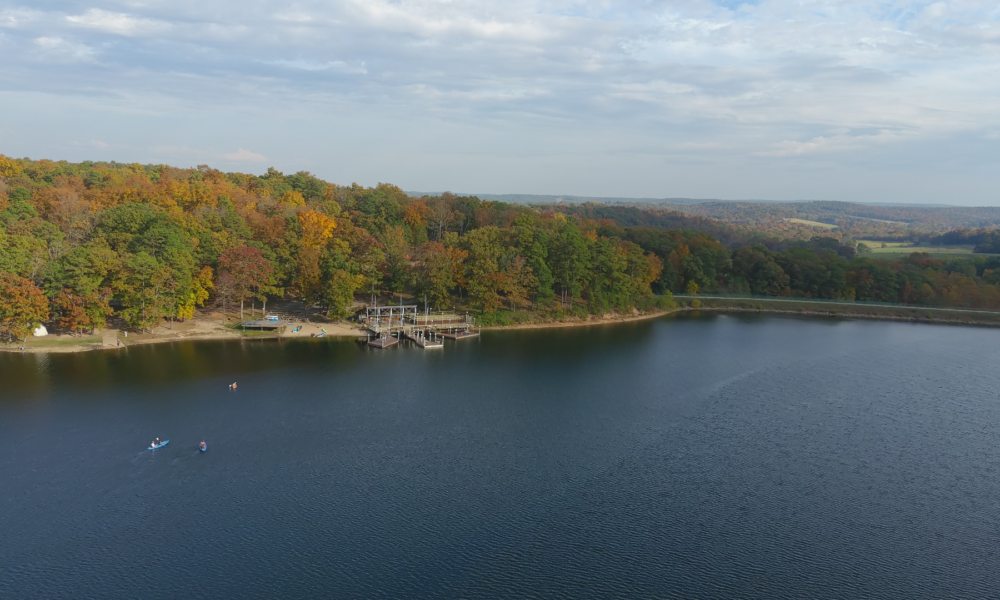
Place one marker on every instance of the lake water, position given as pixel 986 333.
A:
pixel 693 457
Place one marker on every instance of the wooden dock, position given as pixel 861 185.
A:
pixel 424 339
pixel 383 342
pixel 388 325
pixel 438 320
pixel 459 334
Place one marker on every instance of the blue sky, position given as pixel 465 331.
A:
pixel 869 101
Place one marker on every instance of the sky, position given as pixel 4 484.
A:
pixel 838 100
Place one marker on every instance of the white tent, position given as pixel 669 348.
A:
pixel 40 331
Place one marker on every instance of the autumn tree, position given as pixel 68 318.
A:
pixel 226 292
pixel 293 198
pixel 9 167
pixel 415 218
pixel 23 306
pixel 516 279
pixel 199 291
pixel 317 229
pixel 78 313
pixel 251 271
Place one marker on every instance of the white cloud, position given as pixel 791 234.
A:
pixel 242 155
pixel 571 81
pixel 63 49
pixel 309 65
pixel 117 23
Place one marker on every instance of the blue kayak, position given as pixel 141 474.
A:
pixel 161 444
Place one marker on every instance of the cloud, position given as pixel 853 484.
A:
pixel 60 49
pixel 242 155
pixel 117 23
pixel 733 84
pixel 308 65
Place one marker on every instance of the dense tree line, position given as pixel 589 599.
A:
pixel 80 242
pixel 819 268
pixel 155 242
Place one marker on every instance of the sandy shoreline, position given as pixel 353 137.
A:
pixel 200 328
pixel 203 328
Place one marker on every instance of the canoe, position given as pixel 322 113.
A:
pixel 162 444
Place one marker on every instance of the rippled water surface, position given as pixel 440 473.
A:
pixel 707 457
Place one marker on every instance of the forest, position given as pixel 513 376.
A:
pixel 858 221
pixel 81 243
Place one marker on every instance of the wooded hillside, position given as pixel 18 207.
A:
pixel 80 242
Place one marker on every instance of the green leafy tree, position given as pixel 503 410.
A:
pixel 143 279
pixel 570 261
pixel 438 265
pixel 339 293
pixel 756 266
pixel 485 281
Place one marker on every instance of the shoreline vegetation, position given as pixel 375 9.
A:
pixel 145 253
pixel 207 326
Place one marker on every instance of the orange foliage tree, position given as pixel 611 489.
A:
pixel 23 306
pixel 80 312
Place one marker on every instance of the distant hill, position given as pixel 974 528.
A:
pixel 791 219
pixel 889 221
pixel 570 199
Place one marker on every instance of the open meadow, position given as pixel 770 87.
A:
pixel 897 249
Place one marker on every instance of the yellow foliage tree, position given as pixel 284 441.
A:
pixel 317 228
pixel 416 214
pixel 201 286
pixel 9 167
pixel 293 198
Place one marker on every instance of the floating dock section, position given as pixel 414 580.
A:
pixel 383 342
pixel 424 339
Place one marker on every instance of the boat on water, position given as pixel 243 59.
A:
pixel 160 445
pixel 202 446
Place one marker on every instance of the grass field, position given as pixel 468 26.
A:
pixel 899 223
pixel 907 248
pixel 812 223
pixel 49 342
